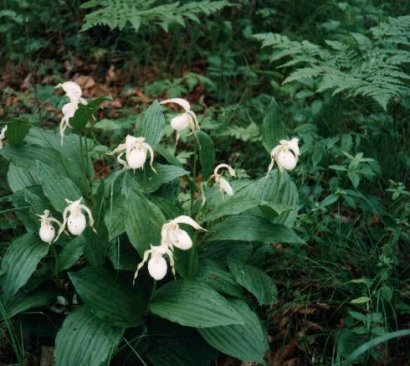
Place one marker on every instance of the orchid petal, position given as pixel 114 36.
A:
pixel 180 101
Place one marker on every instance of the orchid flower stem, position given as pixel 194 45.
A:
pixel 194 168
pixel 83 163
pixel 55 260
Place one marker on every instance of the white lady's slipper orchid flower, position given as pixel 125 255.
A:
pixel 157 265
pixel 185 120
pixel 285 155
pixel 47 232
pixel 74 218
pixel 73 92
pixel 172 236
pixel 68 110
pixel 2 136
pixel 135 150
pixel 224 185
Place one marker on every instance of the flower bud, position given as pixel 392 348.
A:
pixel 286 160
pixel 76 224
pixel 157 267
pixel 47 233
pixel 225 187
pixel 181 122
pixel 136 158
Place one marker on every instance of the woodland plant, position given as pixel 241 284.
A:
pixel 212 244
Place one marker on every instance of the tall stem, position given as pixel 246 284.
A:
pixel 194 168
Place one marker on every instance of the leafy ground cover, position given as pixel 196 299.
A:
pixel 306 267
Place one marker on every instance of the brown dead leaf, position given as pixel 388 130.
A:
pixel 85 82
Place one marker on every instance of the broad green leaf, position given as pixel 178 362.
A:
pixel 22 302
pixel 151 181
pixel 17 129
pixel 151 124
pixel 273 128
pixel 84 113
pixel 276 189
pixel 20 261
pixel 107 125
pixel 255 281
pixel 109 298
pixel 123 256
pixel 19 178
pixel 206 154
pixel 70 254
pixel 246 342
pixel 57 188
pixel 85 340
pixel 213 274
pixel 173 345
pixel 251 228
pixel 143 221
pixel 193 304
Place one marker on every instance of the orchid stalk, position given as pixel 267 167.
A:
pixel 184 120
pixel 224 185
pixel 285 155
pixel 135 150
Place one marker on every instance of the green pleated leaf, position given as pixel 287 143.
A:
pixel 276 189
pixel 213 274
pixel 70 254
pixel 206 154
pixel 246 227
pixel 109 298
pixel 255 281
pixel 84 113
pixel 273 128
pixel 20 261
pixel 151 181
pixel 85 340
pixel 115 217
pixel 17 129
pixel 246 342
pixel 151 124
pixel 23 302
pixel 193 304
pixel 19 178
pixel 143 221
pixel 57 188
pixel 173 345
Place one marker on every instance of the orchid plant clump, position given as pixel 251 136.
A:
pixel 144 213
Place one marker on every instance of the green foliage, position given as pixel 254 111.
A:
pixel 356 65
pixel 117 13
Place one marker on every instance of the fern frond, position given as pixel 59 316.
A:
pixel 116 14
pixel 371 65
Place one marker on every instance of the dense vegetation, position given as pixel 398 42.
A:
pixel 304 263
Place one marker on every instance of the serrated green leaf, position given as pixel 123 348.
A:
pixel 85 340
pixel 17 129
pixel 20 261
pixel 151 124
pixel 109 298
pixel 254 280
pixel 246 227
pixel 206 154
pixel 193 304
pixel 246 342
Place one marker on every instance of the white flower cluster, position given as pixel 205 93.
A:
pixel 73 218
pixel 171 236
